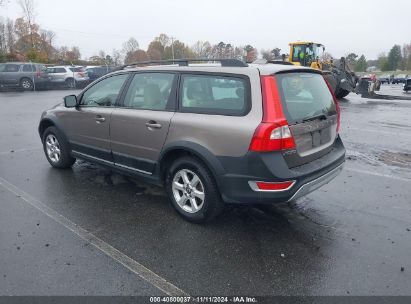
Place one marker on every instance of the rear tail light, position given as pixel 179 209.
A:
pixel 337 105
pixel 273 133
pixel 271 186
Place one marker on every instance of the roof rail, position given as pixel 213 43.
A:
pixel 185 62
pixel 265 61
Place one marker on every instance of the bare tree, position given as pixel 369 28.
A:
pixel 47 38
pixel 28 9
pixel 10 36
pixel 117 58
pixel 202 49
pixel 131 45
pixel 3 37
pixel 163 39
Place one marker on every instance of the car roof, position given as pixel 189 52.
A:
pixel 19 62
pixel 263 69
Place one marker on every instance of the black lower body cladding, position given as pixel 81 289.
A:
pixel 271 167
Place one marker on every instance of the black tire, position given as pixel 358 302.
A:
pixel 70 83
pixel 26 84
pixel 212 204
pixel 65 160
pixel 342 93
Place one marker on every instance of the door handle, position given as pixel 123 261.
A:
pixel 100 119
pixel 153 125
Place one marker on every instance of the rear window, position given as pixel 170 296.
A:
pixel 56 70
pixel 304 95
pixel 211 94
pixel 77 69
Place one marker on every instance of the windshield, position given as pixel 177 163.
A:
pixel 305 95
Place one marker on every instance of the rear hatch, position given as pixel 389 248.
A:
pixel 312 115
pixel 78 72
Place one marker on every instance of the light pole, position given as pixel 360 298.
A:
pixel 172 46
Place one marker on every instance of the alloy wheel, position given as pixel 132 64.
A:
pixel 53 148
pixel 188 191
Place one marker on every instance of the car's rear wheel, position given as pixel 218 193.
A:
pixel 26 84
pixel 57 149
pixel 193 191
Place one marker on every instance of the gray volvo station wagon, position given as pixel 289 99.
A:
pixel 211 133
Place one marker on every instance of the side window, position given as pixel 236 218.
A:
pixel 149 91
pixel 27 68
pixel 12 68
pixel 105 92
pixel 298 53
pixel 214 94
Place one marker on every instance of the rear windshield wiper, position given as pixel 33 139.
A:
pixel 319 116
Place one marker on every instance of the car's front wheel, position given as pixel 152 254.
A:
pixel 57 149
pixel 26 84
pixel 193 191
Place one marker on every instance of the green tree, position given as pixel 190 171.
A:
pixel 180 51
pixel 251 53
pixel 394 58
pixel 351 59
pixel 361 65
pixel 383 62
pixel 155 50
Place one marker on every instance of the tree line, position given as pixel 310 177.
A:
pixel 397 59
pixel 24 40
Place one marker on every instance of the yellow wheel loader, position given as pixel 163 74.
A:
pixel 311 54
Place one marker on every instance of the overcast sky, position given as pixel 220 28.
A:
pixel 362 26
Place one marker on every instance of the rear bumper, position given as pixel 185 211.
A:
pixel 317 183
pixel 271 167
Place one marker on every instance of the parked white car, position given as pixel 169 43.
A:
pixel 70 76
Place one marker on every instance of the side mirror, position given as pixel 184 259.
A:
pixel 323 48
pixel 70 101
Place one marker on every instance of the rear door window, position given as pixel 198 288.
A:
pixel 213 94
pixel 28 68
pixel 59 70
pixel 304 96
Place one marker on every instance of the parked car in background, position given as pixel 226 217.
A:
pixel 236 133
pixel 69 76
pixel 384 78
pixel 407 84
pixel 399 78
pixel 96 72
pixel 25 75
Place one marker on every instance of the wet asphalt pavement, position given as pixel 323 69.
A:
pixel 351 237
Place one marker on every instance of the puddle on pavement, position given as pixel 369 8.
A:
pixel 381 158
pixel 391 124
pixel 397 159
